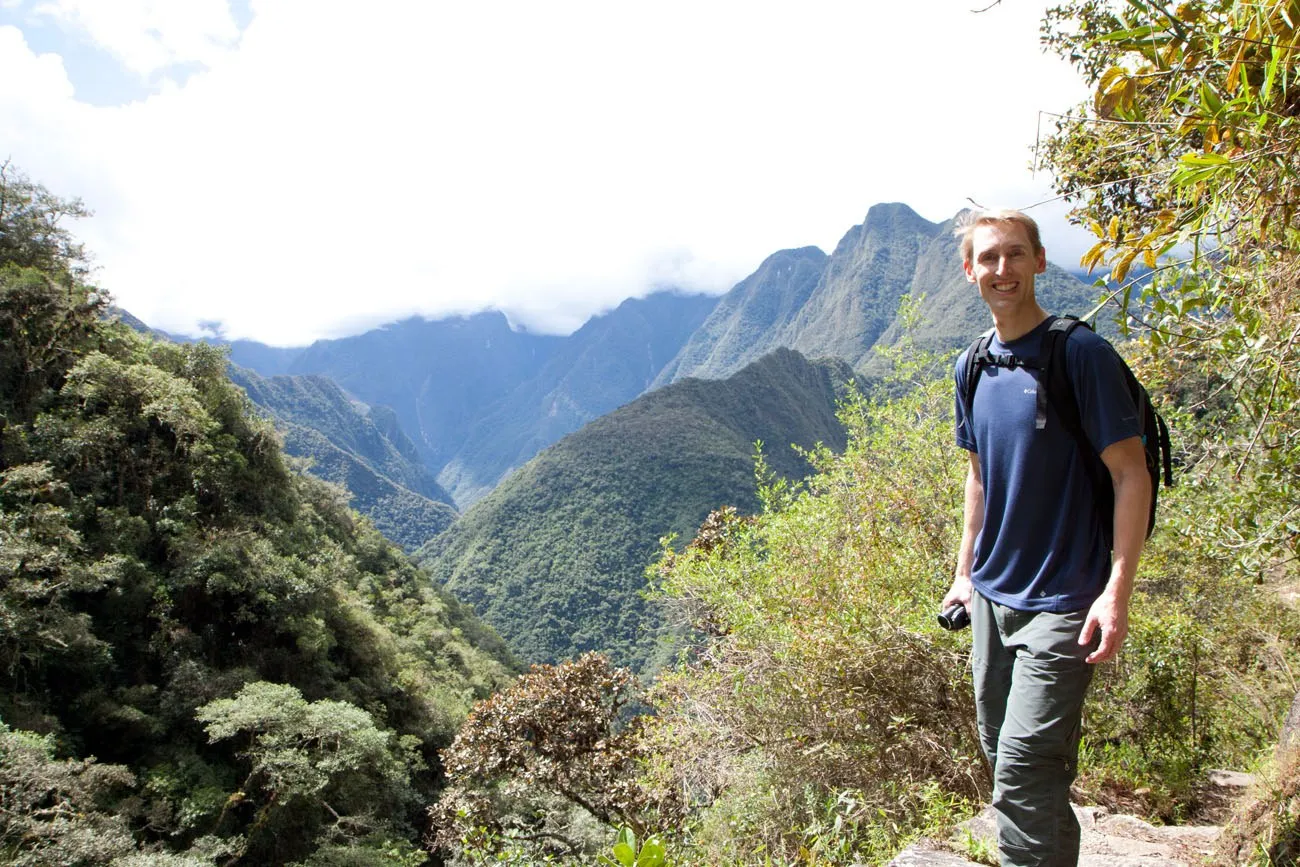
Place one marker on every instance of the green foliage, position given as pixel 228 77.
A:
pixel 157 556
pixel 326 754
pixel 1180 164
pixel 57 812
pixel 31 234
pixel 555 558
pixel 825 710
pixel 625 852
pixel 824 718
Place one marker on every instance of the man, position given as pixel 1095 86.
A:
pixel 1047 599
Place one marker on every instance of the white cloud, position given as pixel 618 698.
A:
pixel 149 35
pixel 342 166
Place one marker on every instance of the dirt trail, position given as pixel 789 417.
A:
pixel 1108 841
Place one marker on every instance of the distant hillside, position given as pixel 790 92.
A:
pixel 842 305
pixel 366 453
pixel 609 361
pixel 742 325
pixel 439 376
pixel 479 399
pixel 554 558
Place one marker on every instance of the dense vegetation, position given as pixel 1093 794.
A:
pixel 555 558
pixel 264 682
pixel 367 453
pixel 203 656
pixel 822 717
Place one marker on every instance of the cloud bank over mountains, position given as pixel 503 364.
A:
pixel 297 170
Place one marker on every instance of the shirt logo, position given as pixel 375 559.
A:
pixel 1031 391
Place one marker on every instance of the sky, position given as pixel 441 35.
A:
pixel 290 170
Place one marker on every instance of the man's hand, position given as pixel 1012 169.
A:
pixel 1110 615
pixel 959 592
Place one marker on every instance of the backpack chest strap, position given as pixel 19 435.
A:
pixel 984 358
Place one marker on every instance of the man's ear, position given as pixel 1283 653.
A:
pixel 970 271
pixel 1042 260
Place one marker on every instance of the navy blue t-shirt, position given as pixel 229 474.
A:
pixel 1041 547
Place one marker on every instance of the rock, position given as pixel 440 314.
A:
pixel 918 856
pixel 1230 779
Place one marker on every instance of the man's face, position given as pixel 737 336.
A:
pixel 1003 265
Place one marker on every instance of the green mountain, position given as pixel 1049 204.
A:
pixel 364 451
pixel 761 305
pixel 607 362
pixel 555 557
pixel 844 304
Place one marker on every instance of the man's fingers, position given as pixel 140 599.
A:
pixel 1111 641
pixel 1089 626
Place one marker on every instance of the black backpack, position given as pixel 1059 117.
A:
pixel 1055 385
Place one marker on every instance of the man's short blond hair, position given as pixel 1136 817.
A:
pixel 969 221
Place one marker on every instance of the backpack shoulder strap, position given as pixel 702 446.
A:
pixel 977 356
pixel 1054 381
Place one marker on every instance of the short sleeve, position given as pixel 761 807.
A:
pixel 1106 407
pixel 965 431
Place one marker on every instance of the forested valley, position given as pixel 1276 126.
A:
pixel 209 658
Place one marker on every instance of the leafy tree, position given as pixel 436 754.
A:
pixel 57 812
pixel 554 732
pixel 158 556
pixel 33 233
pixel 323 756
pixel 1183 162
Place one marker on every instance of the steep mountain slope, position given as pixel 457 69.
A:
pixel 554 558
pixel 439 376
pixel 365 452
pixel 741 326
pixel 607 362
pixel 843 305
pixel 266 360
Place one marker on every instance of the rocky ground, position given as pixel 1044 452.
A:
pixel 1109 839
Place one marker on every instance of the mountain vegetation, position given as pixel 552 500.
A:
pixel 204 656
pixel 365 452
pixel 555 557
pixel 819 714
pixel 261 679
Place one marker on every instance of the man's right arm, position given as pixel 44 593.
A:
pixel 972 523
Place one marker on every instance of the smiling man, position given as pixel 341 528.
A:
pixel 1045 577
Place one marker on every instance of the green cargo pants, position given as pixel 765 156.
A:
pixel 1030 682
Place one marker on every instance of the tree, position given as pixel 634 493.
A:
pixel 32 230
pixel 317 769
pixel 56 811
pixel 1184 161
pixel 555 732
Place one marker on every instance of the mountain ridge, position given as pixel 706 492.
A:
pixel 555 556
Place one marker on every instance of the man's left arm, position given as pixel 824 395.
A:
pixel 1126 461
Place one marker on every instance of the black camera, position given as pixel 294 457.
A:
pixel 955 618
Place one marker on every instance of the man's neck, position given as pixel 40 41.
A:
pixel 1018 325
